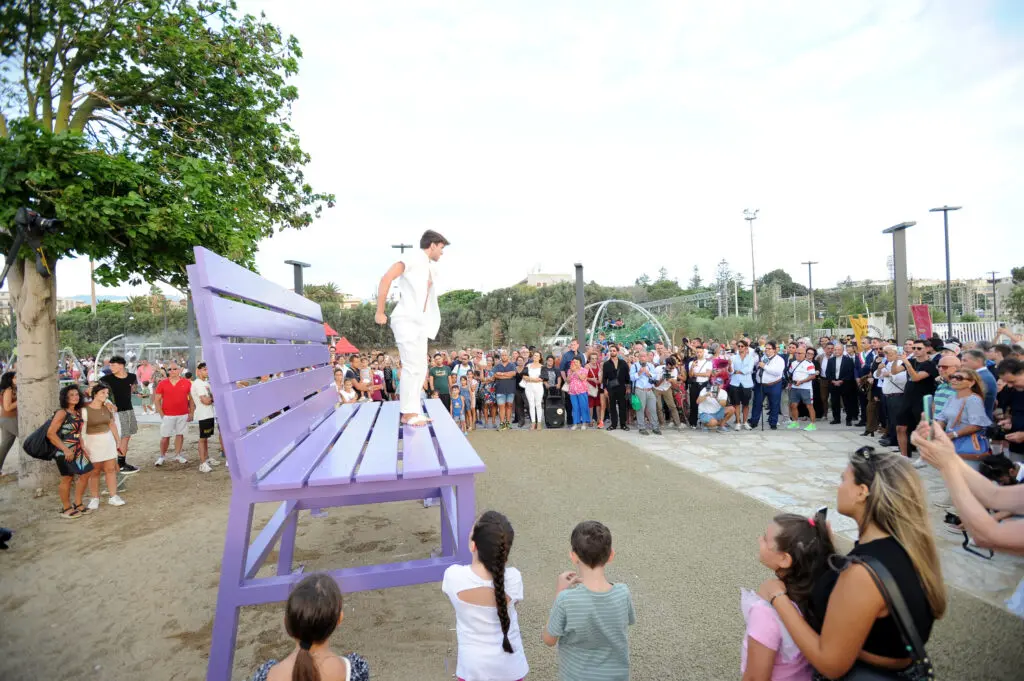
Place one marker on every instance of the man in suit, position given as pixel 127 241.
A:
pixel 842 386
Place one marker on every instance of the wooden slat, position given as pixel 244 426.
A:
pixel 419 457
pixel 245 360
pixel 336 468
pixel 232 318
pixel 222 275
pixel 380 461
pixel 292 471
pixel 459 456
pixel 264 444
pixel 242 407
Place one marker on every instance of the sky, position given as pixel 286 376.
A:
pixel 632 136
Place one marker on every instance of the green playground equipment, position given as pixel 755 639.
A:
pixel 621 321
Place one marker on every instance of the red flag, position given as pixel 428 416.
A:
pixel 922 320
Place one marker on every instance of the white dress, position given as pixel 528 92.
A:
pixel 101 446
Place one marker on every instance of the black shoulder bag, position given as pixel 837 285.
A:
pixel 920 668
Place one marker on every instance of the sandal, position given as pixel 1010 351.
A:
pixel 70 513
pixel 82 509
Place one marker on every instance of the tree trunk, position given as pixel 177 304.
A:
pixel 35 300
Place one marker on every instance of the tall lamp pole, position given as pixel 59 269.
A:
pixel 810 289
pixel 401 247
pixel 899 261
pixel 750 216
pixel 995 303
pixel 298 266
pixel 949 299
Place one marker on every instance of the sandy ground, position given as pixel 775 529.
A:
pixel 129 593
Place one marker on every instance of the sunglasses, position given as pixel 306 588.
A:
pixel 868 453
pixel 959 377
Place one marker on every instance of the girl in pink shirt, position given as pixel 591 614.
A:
pixel 797 549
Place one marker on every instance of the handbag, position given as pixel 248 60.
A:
pixel 920 668
pixel 38 446
pixel 592 390
pixel 974 444
pixel 636 403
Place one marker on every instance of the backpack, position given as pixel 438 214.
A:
pixel 38 446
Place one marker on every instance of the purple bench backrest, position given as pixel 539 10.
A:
pixel 287 336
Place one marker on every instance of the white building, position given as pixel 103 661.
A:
pixel 540 280
pixel 63 305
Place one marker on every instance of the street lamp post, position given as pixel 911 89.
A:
pixel 750 216
pixel 401 247
pixel 949 299
pixel 298 267
pixel 810 289
pixel 899 261
pixel 508 327
pixel 995 303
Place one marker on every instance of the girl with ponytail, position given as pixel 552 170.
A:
pixel 312 614
pixel 484 594
pixel 797 550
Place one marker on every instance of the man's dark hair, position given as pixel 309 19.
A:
pixel 201 365
pixel 591 541
pixel 936 343
pixel 772 345
pixel 1010 366
pixel 983 345
pixel 974 354
pixel 117 359
pixel 1017 349
pixel 437 354
pixel 1003 350
pixel 430 237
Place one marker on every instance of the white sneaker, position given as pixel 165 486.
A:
pixel 746 426
pixel 116 500
pixel 159 461
pixel 574 427
pixel 94 504
pixel 180 459
pixel 213 461
pixel 226 464
pixel 204 467
pixel 583 427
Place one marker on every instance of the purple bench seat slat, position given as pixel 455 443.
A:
pixel 246 360
pixel 459 456
pixel 220 274
pixel 293 470
pixel 336 468
pixel 231 318
pixel 245 406
pixel 380 461
pixel 419 457
pixel 258 447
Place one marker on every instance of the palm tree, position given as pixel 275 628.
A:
pixel 325 294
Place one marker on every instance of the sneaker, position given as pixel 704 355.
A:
pixel 116 500
pixel 624 428
pixel 774 427
pixel 746 426
pixel 656 431
pixel 583 427
pixel 159 461
pixel 723 429
pixel 810 428
pixel 213 461
pixel 180 459
pixel 918 462
pixel 676 426
pixel 792 425
pixel 204 467
pixel 600 424
pixel 226 464
pixel 94 504
pixel 644 432
pixel 128 469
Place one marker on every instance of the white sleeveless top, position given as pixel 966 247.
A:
pixel 414 294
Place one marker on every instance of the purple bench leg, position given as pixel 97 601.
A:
pixel 284 556
pixel 465 501
pixel 449 522
pixel 232 570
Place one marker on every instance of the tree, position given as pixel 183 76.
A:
pixel 695 280
pixel 1017 273
pixel 147 127
pixel 326 294
pixel 459 298
pixel 1015 303
pixel 643 280
pixel 787 287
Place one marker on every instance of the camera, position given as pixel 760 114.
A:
pixel 31 221
pixel 995 432
pixel 29 228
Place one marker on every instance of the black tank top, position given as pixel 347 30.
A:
pixel 884 638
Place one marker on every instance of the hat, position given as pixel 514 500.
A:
pixel 952 347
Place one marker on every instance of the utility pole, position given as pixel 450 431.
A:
pixel 750 216
pixel 401 247
pixel 736 295
pixel 810 290
pixel 899 259
pixel 949 299
pixel 92 284
pixel 298 267
pixel 581 332
pixel 995 302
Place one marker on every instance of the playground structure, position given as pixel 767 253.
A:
pixel 619 328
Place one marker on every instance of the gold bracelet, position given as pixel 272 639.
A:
pixel 772 601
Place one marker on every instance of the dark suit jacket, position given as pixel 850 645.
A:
pixel 845 371
pixel 609 372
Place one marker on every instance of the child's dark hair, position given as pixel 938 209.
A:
pixel 591 541
pixel 809 544
pixel 493 537
pixel 311 616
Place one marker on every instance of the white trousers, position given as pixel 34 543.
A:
pixel 412 348
pixel 535 397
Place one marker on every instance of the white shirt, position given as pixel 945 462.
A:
pixel 711 406
pixel 417 287
pixel 700 366
pixel 662 375
pixel 480 653
pixel 773 369
pixel 894 384
pixel 201 388
pixel 803 370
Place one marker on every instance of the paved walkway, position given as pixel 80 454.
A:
pixel 798 472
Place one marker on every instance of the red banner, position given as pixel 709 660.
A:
pixel 922 320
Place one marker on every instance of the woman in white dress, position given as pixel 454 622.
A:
pixel 535 391
pixel 100 443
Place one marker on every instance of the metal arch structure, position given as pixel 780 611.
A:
pixel 601 308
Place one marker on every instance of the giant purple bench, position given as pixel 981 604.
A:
pixel 314 454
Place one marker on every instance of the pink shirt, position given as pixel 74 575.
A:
pixel 577 381
pixel 765 627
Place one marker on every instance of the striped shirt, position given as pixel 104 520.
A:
pixel 591 630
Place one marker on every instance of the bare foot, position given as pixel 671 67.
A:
pixel 416 421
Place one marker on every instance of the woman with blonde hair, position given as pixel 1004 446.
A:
pixel 882 492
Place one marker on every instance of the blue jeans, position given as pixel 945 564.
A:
pixel 580 410
pixel 756 405
pixel 774 393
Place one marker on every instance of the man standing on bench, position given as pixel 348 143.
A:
pixel 415 319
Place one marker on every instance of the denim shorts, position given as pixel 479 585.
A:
pixel 798 396
pixel 717 416
pixel 504 399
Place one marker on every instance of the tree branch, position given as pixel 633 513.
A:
pixel 3 125
pixel 84 112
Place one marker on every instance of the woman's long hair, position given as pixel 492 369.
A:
pixel 7 381
pixel 809 545
pixel 977 387
pixel 311 616
pixel 897 505
pixel 493 537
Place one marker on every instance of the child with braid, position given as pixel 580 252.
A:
pixel 484 594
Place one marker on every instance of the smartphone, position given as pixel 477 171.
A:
pixel 929 413
pixel 823 511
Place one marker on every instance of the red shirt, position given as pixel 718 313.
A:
pixel 174 396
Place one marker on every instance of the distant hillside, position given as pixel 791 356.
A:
pixel 114 299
